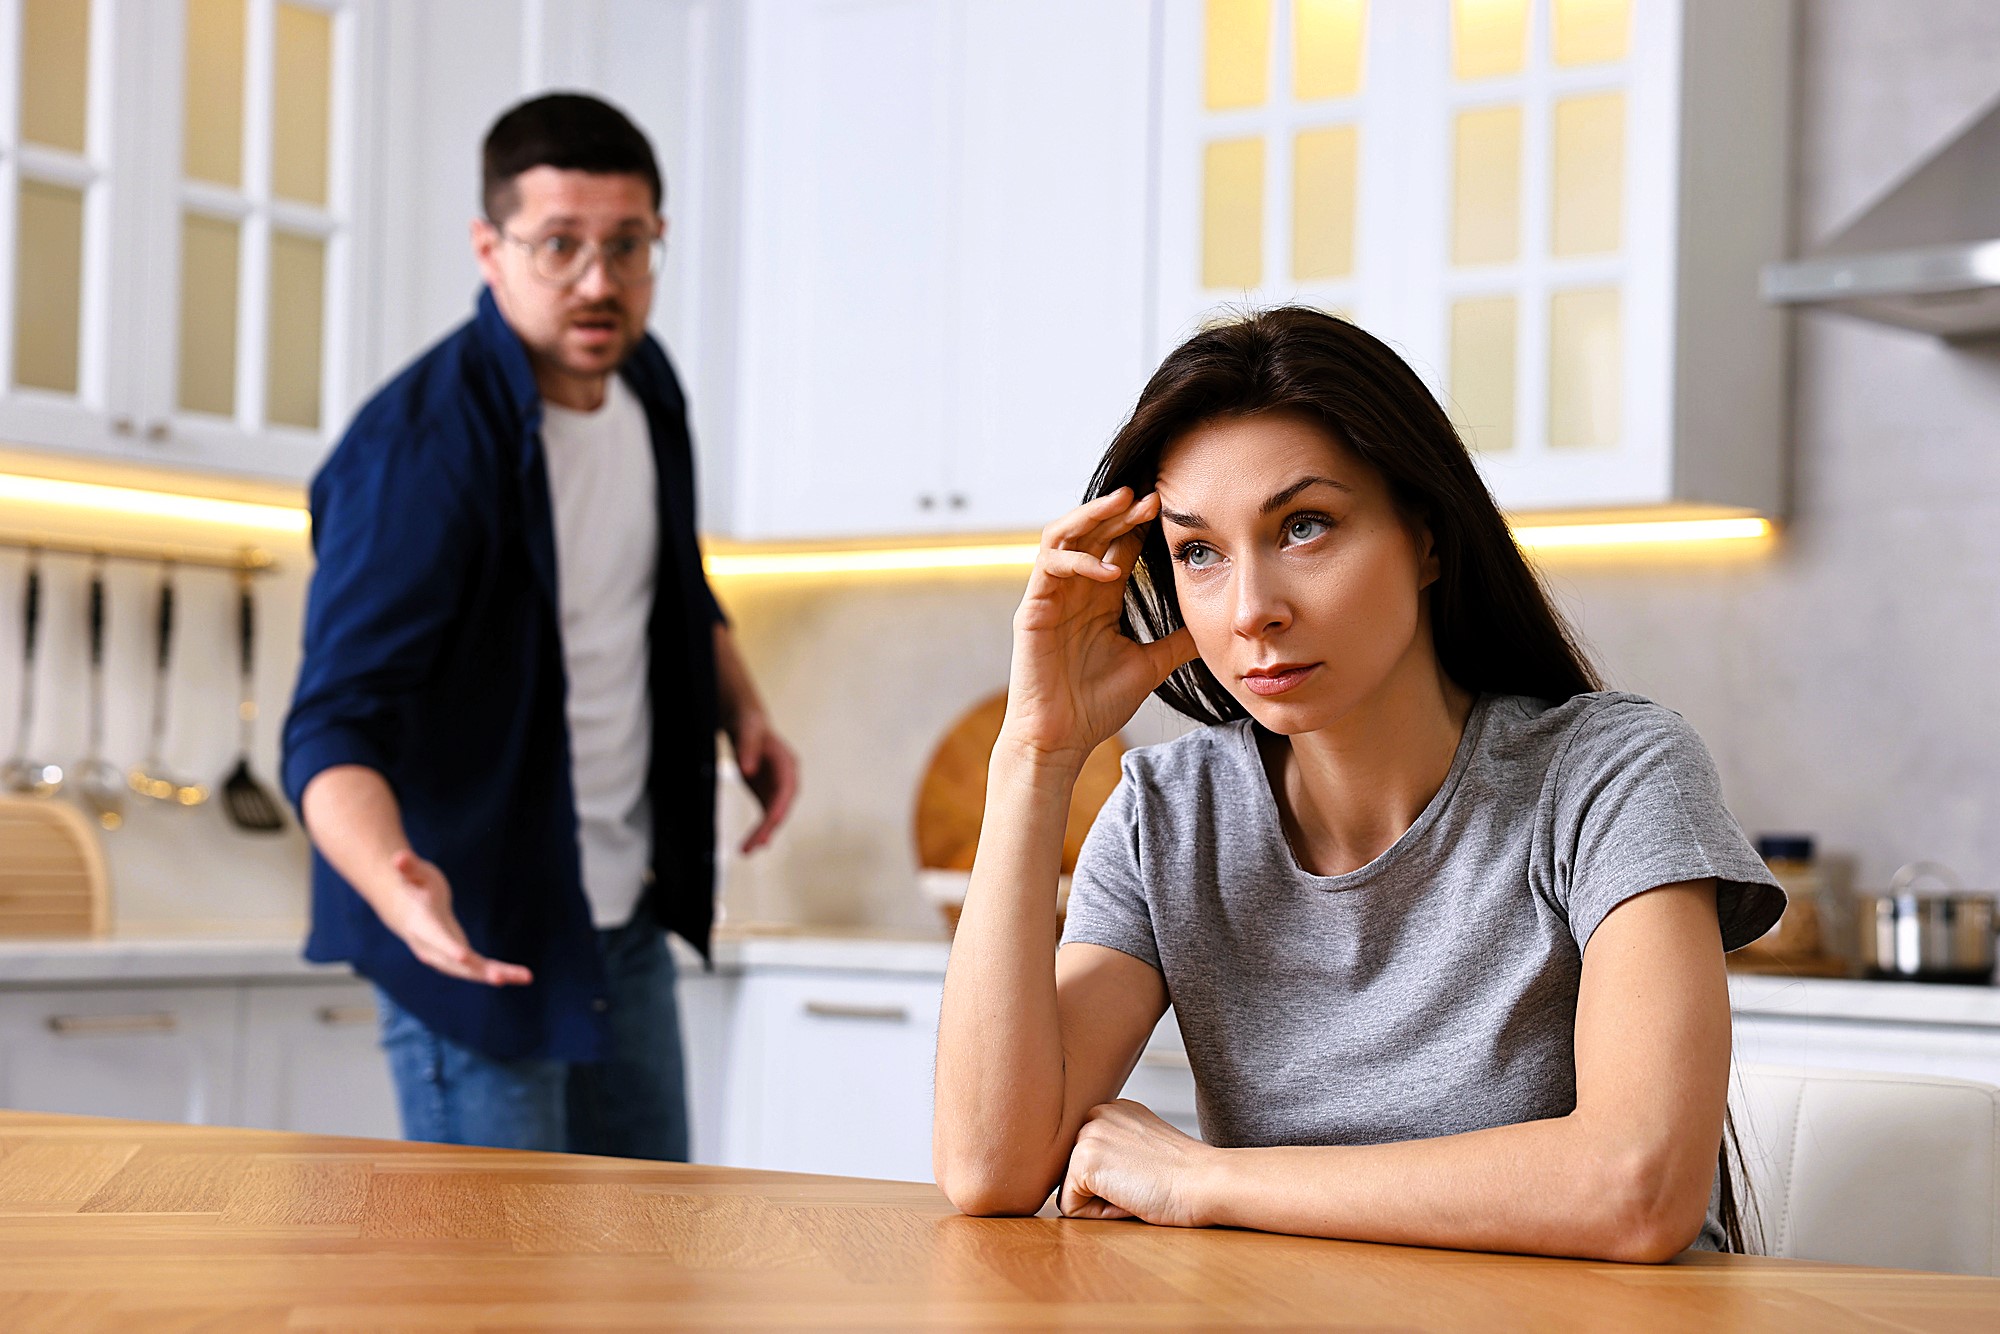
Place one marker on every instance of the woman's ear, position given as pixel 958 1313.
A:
pixel 1428 568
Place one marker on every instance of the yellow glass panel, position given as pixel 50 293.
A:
pixel 1482 371
pixel 1323 172
pixel 1237 51
pixel 1586 368
pixel 1589 175
pixel 298 300
pixel 1232 213
pixel 48 286
pixel 1592 32
pixel 1486 186
pixel 55 72
pixel 1327 42
pixel 1488 38
pixel 212 99
pixel 208 315
pixel 301 112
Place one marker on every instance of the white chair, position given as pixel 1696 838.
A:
pixel 1872 1169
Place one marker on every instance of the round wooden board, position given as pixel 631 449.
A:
pixel 953 795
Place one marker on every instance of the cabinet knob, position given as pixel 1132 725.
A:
pixel 957 501
pixel 156 432
pixel 123 426
pixel 926 502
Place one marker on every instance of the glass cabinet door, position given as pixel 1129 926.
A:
pixel 58 214
pixel 260 214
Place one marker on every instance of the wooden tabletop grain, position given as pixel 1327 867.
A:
pixel 131 1225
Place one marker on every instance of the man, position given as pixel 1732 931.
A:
pixel 503 737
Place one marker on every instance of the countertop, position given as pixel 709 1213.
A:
pixel 272 956
pixel 132 1225
pixel 214 952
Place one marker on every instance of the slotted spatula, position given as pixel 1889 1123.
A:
pixel 247 802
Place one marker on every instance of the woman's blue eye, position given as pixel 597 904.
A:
pixel 1194 555
pixel 1305 528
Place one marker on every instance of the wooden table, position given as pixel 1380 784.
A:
pixel 130 1225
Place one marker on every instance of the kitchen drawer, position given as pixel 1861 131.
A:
pixel 153 1054
pixel 312 1062
pixel 831 1072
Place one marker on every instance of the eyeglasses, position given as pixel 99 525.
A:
pixel 563 260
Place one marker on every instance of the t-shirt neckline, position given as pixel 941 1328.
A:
pixel 1433 811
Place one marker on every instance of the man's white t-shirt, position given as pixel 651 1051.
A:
pixel 601 488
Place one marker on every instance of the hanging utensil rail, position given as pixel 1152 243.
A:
pixel 252 560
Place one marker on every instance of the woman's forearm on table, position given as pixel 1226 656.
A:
pixel 1000 1078
pixel 1555 1187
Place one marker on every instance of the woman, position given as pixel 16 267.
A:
pixel 1441 922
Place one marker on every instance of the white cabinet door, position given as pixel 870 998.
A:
pixel 707 1003
pixel 311 1061
pixel 944 276
pixel 165 1054
pixel 831 1073
pixel 843 408
pixel 1052 343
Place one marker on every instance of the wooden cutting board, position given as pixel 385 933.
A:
pixel 52 877
pixel 953 795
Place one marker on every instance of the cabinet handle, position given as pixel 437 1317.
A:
pixel 888 1014
pixel 109 1025
pixel 926 502
pixel 122 426
pixel 1166 1059
pixel 957 501
pixel 340 1016
pixel 156 432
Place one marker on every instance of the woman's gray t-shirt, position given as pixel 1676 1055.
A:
pixel 1433 991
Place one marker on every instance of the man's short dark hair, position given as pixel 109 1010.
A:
pixel 568 131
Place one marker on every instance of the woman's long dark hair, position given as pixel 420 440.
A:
pixel 1492 624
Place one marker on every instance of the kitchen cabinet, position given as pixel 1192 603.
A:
pixel 151 1053
pixel 311 1061
pixel 939 314
pixel 187 248
pixel 831 1072
pixel 1554 209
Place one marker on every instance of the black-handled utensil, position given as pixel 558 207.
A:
pixel 247 802
pixel 20 774
pixel 97 778
pixel 151 778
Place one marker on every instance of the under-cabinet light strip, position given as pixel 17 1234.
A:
pixel 1019 555
pixel 801 561
pixel 132 500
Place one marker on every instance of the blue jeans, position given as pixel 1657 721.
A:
pixel 632 1104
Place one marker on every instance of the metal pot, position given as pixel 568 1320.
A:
pixel 1931 937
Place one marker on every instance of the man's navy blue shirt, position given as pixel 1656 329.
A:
pixel 433 655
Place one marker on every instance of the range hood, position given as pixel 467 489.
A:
pixel 1925 256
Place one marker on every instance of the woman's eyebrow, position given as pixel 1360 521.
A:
pixel 1286 496
pixel 1271 506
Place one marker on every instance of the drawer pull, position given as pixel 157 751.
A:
pixel 345 1016
pixel 110 1025
pixel 1165 1058
pixel 888 1014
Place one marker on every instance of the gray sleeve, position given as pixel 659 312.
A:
pixel 1107 892
pixel 1639 805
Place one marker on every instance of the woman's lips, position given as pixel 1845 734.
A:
pixel 1278 680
